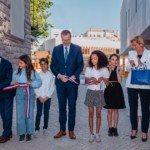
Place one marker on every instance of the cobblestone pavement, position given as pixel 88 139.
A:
pixel 122 142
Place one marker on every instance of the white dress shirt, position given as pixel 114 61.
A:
pixel 145 59
pixel 92 72
pixel 48 86
pixel 68 49
pixel 64 48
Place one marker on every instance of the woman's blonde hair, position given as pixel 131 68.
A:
pixel 139 40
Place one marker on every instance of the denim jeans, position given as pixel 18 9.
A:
pixel 24 125
pixel 40 108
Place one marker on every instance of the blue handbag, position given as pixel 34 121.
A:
pixel 140 76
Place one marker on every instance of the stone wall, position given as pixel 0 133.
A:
pixel 11 47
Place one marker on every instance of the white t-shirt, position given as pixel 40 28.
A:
pixel 48 86
pixel 92 72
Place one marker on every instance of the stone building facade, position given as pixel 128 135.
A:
pixel 135 20
pixel 15 29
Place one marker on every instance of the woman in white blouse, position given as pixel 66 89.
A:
pixel 138 57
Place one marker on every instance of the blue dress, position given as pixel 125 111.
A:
pixel 25 125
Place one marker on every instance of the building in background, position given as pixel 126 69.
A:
pixel 105 40
pixel 37 56
pixel 135 20
pixel 15 29
pixel 55 33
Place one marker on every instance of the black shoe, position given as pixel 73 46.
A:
pixel 115 132
pixel 133 136
pixel 110 131
pixel 28 137
pixel 144 139
pixel 10 136
pixel 22 137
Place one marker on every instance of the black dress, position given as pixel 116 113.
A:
pixel 113 94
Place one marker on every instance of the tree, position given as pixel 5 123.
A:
pixel 38 15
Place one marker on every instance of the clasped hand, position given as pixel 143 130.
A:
pixel 43 100
pixel 132 63
pixel 96 81
pixel 64 78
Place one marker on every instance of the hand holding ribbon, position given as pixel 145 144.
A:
pixel 27 88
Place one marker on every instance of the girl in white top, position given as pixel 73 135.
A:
pixel 99 74
pixel 44 94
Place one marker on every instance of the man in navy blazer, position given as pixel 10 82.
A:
pixel 6 99
pixel 67 61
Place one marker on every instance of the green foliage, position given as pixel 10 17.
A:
pixel 38 16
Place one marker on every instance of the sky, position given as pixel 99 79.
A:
pixel 81 15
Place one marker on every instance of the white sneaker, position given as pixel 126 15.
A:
pixel 45 132
pixel 92 137
pixel 36 134
pixel 98 138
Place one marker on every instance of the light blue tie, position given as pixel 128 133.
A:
pixel 66 54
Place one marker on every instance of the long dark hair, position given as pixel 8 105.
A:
pixel 114 55
pixel 102 59
pixel 29 68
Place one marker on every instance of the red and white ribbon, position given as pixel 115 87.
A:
pixel 27 88
pixel 87 84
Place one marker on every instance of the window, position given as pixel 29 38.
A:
pixel 128 17
pixel 136 5
pixel 117 51
pixel 56 35
pixel 17 19
pixel 82 51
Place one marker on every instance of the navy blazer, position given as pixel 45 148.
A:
pixel 5 77
pixel 73 66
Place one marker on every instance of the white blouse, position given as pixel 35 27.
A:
pixel 92 72
pixel 48 86
pixel 145 59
